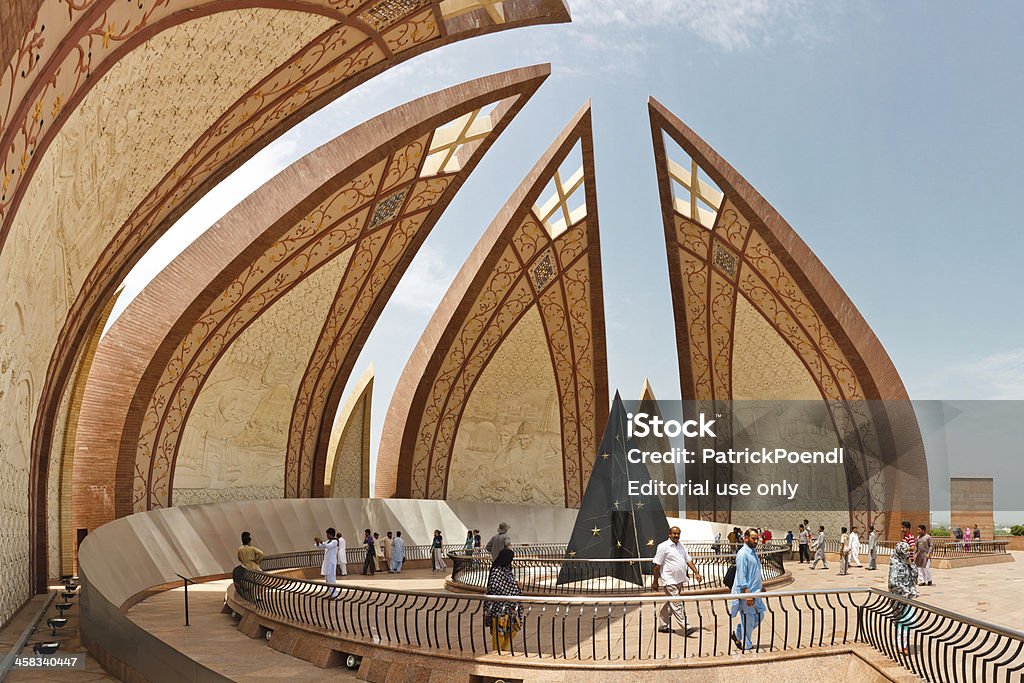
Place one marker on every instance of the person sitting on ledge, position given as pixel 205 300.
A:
pixel 249 556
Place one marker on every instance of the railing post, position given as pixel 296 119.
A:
pixel 185 582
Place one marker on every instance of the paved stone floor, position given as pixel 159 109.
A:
pixel 970 591
pixel 212 638
pixel 985 593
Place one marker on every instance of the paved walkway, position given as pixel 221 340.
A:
pixel 213 639
pixel 982 592
pixel 988 592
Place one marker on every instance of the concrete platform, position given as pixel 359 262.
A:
pixel 215 640
pixel 213 637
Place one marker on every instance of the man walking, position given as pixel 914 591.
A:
pixel 499 541
pixel 855 547
pixel 671 561
pixel 872 548
pixel 819 552
pixel 397 553
pixel 368 566
pixel 748 580
pixel 923 556
pixel 804 538
pixel 385 545
pixel 844 553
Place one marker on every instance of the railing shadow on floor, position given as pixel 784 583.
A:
pixel 930 642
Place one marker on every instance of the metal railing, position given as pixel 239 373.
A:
pixel 940 549
pixel 301 559
pixel 938 646
pixel 555 574
pixel 969 549
pixel 835 545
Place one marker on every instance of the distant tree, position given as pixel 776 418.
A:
pixel 941 531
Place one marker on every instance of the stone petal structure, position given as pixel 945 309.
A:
pixel 230 364
pixel 666 472
pixel 347 471
pixel 115 118
pixel 505 396
pixel 759 317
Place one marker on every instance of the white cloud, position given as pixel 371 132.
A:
pixel 997 376
pixel 428 278
pixel 731 26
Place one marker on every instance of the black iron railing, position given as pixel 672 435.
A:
pixel 555 574
pixel 933 643
pixel 834 545
pixel 946 549
pixel 940 549
pixel 939 645
pixel 301 559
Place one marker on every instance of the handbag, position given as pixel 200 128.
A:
pixel 730 576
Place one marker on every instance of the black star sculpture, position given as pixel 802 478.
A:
pixel 611 524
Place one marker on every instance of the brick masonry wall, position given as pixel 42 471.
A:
pixel 971 503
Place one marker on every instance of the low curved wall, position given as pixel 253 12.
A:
pixel 123 561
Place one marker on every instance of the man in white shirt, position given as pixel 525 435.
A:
pixel 329 568
pixel 819 553
pixel 805 539
pixel 670 563
pixel 855 548
pixel 342 554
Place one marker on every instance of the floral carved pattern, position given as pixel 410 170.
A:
pixel 732 226
pixel 707 267
pixel 370 270
pixel 695 285
pixel 524 275
pixel 326 63
pixel 48 73
pixel 333 58
pixel 324 233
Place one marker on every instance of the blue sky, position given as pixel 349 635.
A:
pixel 888 135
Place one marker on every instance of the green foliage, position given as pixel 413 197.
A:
pixel 941 531
pixel 1017 530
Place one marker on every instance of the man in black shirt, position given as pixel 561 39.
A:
pixel 370 554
